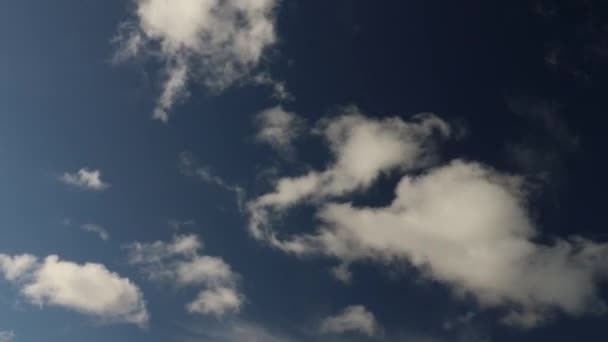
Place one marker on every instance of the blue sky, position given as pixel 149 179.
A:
pixel 265 170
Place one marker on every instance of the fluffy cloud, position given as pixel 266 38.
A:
pixel 88 288
pixel 215 41
pixel 278 128
pixel 462 224
pixel 86 179
pixel 96 229
pixel 180 263
pixel 7 336
pixel 355 318
pixel 363 149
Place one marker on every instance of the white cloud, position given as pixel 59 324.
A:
pixel 88 288
pixel 278 128
pixel 216 301
pixel 96 229
pixel 190 167
pixel 363 149
pixel 86 179
pixel 179 262
pixel 355 318
pixel 7 336
pixel 217 42
pixel 462 224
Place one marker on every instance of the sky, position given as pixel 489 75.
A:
pixel 295 171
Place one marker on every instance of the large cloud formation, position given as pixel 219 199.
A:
pixel 179 262
pixel 89 288
pixel 215 41
pixel 463 224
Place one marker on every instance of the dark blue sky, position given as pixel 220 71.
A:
pixel 520 86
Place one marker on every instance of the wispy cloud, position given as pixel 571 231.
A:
pixel 190 166
pixel 85 178
pixel 355 318
pixel 96 229
pixel 7 336
pixel 278 128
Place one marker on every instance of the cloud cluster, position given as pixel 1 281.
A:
pixel 363 149
pixel 88 288
pixel 463 224
pixel 85 178
pixel 179 263
pixel 217 42
pixel 354 318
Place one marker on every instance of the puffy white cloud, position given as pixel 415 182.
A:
pixel 179 262
pixel 215 41
pixel 363 149
pixel 7 335
pixel 14 267
pixel 278 128
pixel 96 229
pixel 354 318
pixel 216 301
pixel 86 179
pixel 463 224
pixel 88 288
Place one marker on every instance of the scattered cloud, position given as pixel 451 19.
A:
pixel 7 335
pixel 278 128
pixel 96 229
pixel 462 224
pixel 179 262
pixel 355 318
pixel 191 167
pixel 88 288
pixel 217 42
pixel 85 178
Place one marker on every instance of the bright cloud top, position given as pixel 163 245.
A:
pixel 179 262
pixel 88 288
pixel 85 178
pixel 462 224
pixel 354 318
pixel 215 41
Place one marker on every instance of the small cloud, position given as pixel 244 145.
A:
pixel 355 318
pixel 96 229
pixel 56 282
pixel 278 128
pixel 7 336
pixel 85 178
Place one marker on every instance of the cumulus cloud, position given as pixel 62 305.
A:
pixel 179 262
pixel 190 166
pixel 96 229
pixel 363 149
pixel 88 288
pixel 85 178
pixel 278 128
pixel 216 42
pixel 7 335
pixel 354 318
pixel 463 224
